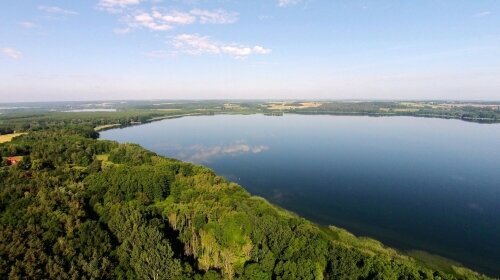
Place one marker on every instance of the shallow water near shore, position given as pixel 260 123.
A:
pixel 412 183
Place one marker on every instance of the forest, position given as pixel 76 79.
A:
pixel 76 207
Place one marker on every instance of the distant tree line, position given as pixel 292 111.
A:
pixel 140 112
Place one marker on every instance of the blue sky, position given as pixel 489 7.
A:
pixel 239 49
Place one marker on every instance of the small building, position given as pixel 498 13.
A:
pixel 13 160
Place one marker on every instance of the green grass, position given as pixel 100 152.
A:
pixel 434 261
pixel 103 157
pixel 365 244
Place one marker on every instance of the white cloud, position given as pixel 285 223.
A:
pixel 115 6
pixel 236 51
pixel 285 3
pixel 261 50
pixel 196 44
pixel 482 14
pixel 174 17
pixel 215 17
pixel 12 53
pixel 146 20
pixel 27 24
pixel 56 10
pixel 160 20
pixel 242 51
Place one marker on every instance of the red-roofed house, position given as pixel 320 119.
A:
pixel 13 160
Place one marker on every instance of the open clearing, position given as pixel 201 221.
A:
pixel 103 127
pixel 168 109
pixel 8 137
pixel 285 106
pixel 102 157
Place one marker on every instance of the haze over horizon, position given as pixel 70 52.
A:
pixel 58 50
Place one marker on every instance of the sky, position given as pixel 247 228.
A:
pixel 249 49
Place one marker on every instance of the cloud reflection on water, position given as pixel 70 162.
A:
pixel 201 153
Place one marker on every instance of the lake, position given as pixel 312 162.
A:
pixel 412 183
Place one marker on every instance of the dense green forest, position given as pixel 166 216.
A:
pixel 77 207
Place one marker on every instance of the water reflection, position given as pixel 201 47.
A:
pixel 202 154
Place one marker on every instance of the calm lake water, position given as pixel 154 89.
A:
pixel 412 183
